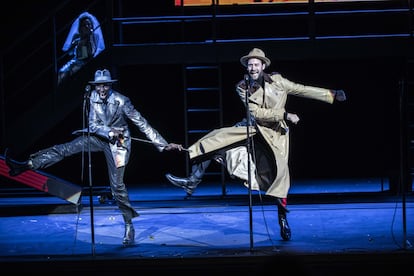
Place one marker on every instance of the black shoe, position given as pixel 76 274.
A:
pixel 220 159
pixel 285 232
pixel 129 236
pixel 188 184
pixel 15 167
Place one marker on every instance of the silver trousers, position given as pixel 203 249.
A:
pixel 52 155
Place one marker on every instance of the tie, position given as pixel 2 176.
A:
pixel 106 109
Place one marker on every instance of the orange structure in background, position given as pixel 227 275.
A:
pixel 244 2
pixel 231 2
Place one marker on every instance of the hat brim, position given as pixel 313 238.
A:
pixel 103 81
pixel 245 59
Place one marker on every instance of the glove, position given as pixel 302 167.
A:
pixel 173 146
pixel 339 95
pixel 115 135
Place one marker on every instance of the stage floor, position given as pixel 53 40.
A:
pixel 337 227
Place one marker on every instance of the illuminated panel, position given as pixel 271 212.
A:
pixel 45 183
pixel 245 2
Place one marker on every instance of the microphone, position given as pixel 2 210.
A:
pixel 88 90
pixel 248 80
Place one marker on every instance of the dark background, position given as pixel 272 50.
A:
pixel 356 138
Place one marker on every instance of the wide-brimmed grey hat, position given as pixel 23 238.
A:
pixel 102 76
pixel 255 53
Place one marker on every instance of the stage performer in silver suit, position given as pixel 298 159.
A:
pixel 267 95
pixel 109 112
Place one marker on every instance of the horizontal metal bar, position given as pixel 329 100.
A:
pixel 161 19
pixel 203 89
pixel 203 109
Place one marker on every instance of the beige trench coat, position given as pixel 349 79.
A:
pixel 270 136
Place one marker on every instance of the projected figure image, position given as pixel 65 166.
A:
pixel 84 42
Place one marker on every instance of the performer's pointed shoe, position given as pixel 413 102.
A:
pixel 16 167
pixel 188 184
pixel 285 232
pixel 129 236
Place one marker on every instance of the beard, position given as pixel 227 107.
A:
pixel 256 75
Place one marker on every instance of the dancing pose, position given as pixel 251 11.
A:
pixel 109 133
pixel 267 95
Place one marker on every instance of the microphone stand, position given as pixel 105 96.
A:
pixel 86 109
pixel 248 145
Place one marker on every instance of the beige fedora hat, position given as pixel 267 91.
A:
pixel 255 53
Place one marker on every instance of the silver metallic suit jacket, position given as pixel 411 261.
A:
pixel 114 114
pixel 269 170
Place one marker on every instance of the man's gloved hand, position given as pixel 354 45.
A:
pixel 174 146
pixel 115 135
pixel 339 95
pixel 294 118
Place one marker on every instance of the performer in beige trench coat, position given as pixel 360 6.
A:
pixel 267 96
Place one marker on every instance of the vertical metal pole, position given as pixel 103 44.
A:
pixel 86 121
pixel 404 147
pixel 249 149
pixel 3 141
